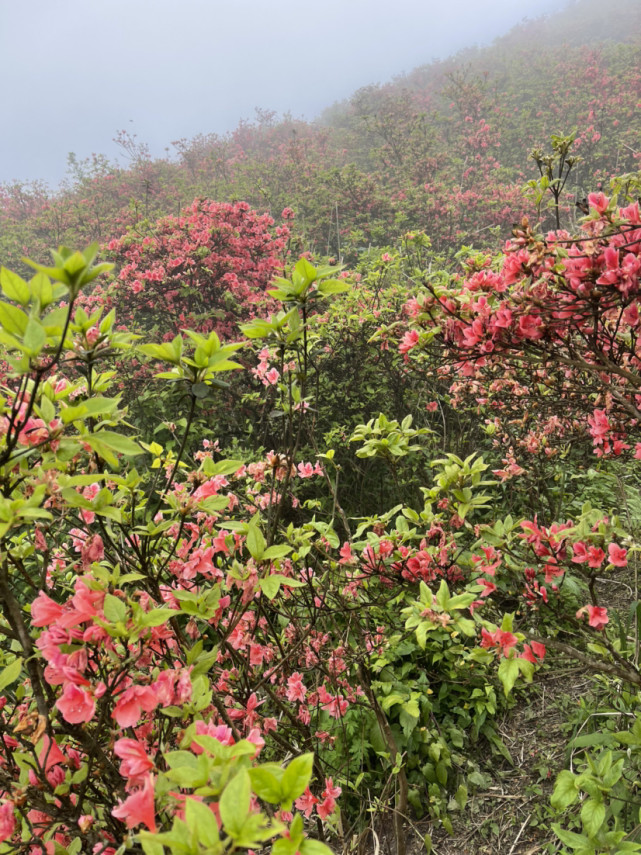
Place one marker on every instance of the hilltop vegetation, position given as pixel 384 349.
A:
pixel 443 149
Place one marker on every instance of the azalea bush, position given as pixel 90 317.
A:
pixel 207 269
pixel 107 711
pixel 543 340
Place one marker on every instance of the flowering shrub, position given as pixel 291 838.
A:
pixel 114 725
pixel 204 269
pixel 561 310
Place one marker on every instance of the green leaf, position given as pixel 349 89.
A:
pixel 255 541
pixel 565 790
pixel 391 699
pixel 569 838
pixel 10 674
pixel 222 467
pixel 106 441
pixel 297 777
pixel 14 287
pixel 508 672
pixel 461 796
pixel 234 804
pixel 278 294
pixel 314 847
pixel 411 708
pixel 257 329
pixel 279 550
pixel 443 596
pixel 115 610
pixel 91 408
pixel 266 784
pixel 34 337
pixel 592 816
pixel 156 617
pixel 41 289
pixel 163 352
pixel 202 822
pixel 200 390
pixel 283 846
pixel 255 829
pixel 461 601
pixel 270 585
pixel 150 846
pixel 13 319
pixel 333 286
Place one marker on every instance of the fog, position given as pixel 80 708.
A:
pixel 75 72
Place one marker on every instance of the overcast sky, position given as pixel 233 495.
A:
pixel 74 72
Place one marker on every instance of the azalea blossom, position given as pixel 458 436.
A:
pixel 135 762
pixel 597 616
pixel 138 808
pixel 76 705
pixel 618 555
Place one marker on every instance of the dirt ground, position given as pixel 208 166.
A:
pixel 509 817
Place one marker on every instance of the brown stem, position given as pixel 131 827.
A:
pixel 629 676
pixel 13 614
pixel 386 731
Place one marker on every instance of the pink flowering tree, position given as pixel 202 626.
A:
pixel 205 269
pixel 543 341
pixel 111 729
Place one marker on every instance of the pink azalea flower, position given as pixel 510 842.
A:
pixel 598 201
pixel 76 705
pixel 7 821
pixel 296 691
pixel 132 702
pixel 93 550
pixel 618 555
pixel 533 652
pixel 410 340
pixel 488 587
pixel 595 557
pixel 271 377
pixel 579 552
pixel 597 616
pixel 44 610
pixel 306 802
pixel 254 736
pixel 139 807
pixel 329 794
pixel 530 327
pixel 135 762
pixel 50 753
pixel 505 641
pixel 346 554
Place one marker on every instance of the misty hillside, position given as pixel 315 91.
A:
pixel 443 149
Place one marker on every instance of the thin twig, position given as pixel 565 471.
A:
pixel 518 836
